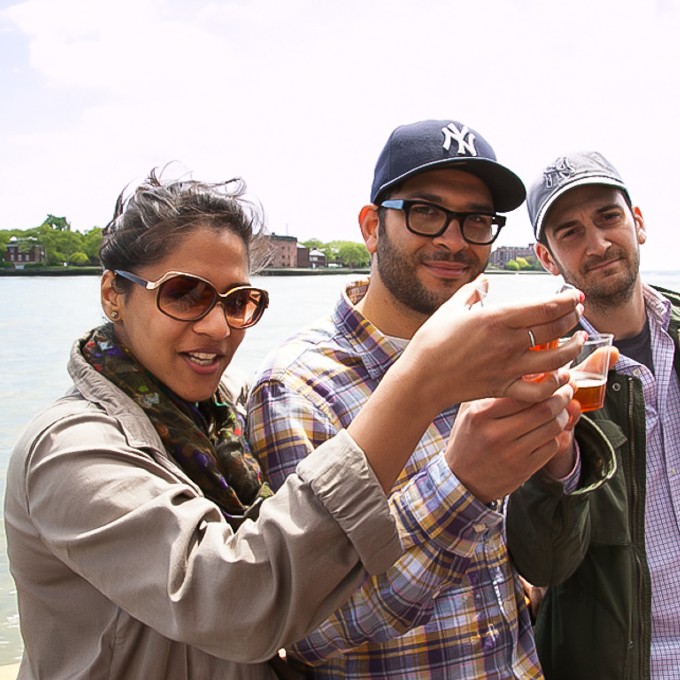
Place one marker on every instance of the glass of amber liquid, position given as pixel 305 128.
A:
pixel 589 371
pixel 539 377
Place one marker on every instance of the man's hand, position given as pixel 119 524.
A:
pixel 497 444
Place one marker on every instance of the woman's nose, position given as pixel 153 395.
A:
pixel 214 323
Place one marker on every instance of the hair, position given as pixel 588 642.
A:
pixel 149 223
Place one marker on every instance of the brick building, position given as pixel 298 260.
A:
pixel 284 251
pixel 21 251
pixel 503 254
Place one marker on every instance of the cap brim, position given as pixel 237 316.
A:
pixel 507 189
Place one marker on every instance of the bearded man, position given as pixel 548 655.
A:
pixel 453 605
pixel 618 614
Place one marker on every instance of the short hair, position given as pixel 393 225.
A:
pixel 148 223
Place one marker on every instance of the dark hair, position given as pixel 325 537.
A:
pixel 148 224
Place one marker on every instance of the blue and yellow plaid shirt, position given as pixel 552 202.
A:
pixel 452 606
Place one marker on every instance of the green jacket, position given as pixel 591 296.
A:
pixel 589 547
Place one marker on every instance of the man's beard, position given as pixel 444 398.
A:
pixel 398 274
pixel 609 292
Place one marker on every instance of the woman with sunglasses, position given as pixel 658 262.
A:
pixel 137 533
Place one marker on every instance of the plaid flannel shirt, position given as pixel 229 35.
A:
pixel 452 606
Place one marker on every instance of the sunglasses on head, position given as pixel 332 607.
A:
pixel 186 297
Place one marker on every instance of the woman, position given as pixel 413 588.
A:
pixel 124 496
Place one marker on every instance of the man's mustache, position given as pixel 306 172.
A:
pixel 594 262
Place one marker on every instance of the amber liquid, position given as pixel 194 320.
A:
pixel 545 345
pixel 539 377
pixel 590 391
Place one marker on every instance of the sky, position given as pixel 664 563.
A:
pixel 299 97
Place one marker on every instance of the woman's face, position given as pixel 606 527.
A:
pixel 188 357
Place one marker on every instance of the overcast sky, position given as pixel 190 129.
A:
pixel 299 96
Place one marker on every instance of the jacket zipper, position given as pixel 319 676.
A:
pixel 635 527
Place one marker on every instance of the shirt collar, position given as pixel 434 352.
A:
pixel 658 310
pixel 377 351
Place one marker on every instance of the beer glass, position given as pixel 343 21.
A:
pixel 589 371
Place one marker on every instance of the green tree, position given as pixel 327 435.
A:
pixel 58 223
pixel 353 254
pixel 512 266
pixel 330 250
pixel 534 264
pixel 91 242
pixel 59 242
pixel 313 244
pixel 79 259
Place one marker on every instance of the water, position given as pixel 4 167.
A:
pixel 41 316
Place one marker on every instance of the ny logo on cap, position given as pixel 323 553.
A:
pixel 560 170
pixel 464 139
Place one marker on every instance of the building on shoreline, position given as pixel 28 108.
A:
pixel 286 252
pixel 26 250
pixel 503 254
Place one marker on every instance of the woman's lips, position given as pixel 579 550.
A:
pixel 203 362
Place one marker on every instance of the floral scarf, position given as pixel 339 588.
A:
pixel 204 438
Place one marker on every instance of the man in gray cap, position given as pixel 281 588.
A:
pixel 452 607
pixel 618 614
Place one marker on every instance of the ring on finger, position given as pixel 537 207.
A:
pixel 532 339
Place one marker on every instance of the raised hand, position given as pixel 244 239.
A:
pixel 465 351
pixel 497 444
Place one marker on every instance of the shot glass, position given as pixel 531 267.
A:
pixel 589 371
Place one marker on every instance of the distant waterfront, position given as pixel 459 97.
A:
pixel 95 271
pixel 270 271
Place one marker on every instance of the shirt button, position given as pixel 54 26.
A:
pixel 479 528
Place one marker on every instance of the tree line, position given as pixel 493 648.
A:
pixel 62 245
pixel 344 253
pixel 66 246
pixel 521 264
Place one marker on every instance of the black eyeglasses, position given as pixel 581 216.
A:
pixel 428 219
pixel 186 297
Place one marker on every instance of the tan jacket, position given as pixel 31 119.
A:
pixel 124 570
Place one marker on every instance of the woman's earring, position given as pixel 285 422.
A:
pixel 114 315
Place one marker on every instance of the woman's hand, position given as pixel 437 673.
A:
pixel 466 351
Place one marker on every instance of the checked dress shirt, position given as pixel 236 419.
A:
pixel 452 606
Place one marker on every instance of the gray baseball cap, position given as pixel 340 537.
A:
pixel 565 173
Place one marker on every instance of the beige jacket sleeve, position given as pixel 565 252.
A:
pixel 124 524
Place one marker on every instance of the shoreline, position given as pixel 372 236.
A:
pixel 278 271
pixel 273 271
pixel 97 271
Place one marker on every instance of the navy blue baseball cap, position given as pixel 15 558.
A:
pixel 432 144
